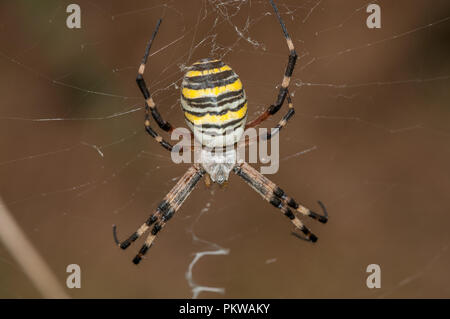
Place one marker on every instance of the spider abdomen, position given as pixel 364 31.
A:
pixel 214 103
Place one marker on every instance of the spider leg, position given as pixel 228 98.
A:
pixel 166 209
pixel 274 195
pixel 150 106
pixel 207 180
pixel 283 92
pixel 162 207
pixel 283 120
pixel 280 124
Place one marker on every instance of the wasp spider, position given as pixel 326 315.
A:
pixel 214 102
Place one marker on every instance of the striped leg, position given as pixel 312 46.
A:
pixel 280 124
pixel 276 196
pixel 150 106
pixel 284 120
pixel 166 209
pixel 283 92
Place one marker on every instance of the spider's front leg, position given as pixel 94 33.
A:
pixel 166 209
pixel 276 196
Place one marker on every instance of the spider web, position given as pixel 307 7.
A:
pixel 370 138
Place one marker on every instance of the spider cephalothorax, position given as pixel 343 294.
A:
pixel 215 109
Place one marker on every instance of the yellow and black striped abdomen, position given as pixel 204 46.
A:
pixel 214 103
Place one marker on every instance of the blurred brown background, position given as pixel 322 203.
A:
pixel 370 139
